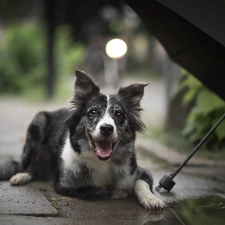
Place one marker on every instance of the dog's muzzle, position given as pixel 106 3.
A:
pixel 103 149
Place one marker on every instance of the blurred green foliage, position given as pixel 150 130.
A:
pixel 69 54
pixel 207 110
pixel 23 57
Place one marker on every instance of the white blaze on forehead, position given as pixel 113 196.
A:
pixel 106 119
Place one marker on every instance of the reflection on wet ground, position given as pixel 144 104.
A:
pixel 200 211
pixel 38 204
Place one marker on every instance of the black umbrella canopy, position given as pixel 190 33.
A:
pixel 193 34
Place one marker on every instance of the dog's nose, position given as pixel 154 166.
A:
pixel 106 129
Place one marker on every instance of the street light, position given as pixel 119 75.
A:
pixel 116 48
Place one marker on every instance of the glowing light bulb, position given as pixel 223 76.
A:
pixel 116 48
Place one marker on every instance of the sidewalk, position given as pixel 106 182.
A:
pixel 37 203
pixel 173 159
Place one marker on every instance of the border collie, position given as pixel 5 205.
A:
pixel 88 150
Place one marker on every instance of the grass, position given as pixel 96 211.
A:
pixel 43 189
pixel 54 203
pixel 51 199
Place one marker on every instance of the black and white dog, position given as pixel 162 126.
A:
pixel 89 149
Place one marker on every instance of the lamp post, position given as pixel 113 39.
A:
pixel 115 49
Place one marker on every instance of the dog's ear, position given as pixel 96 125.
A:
pixel 131 96
pixel 84 86
pixel 133 93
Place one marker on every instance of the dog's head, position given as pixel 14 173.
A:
pixel 105 121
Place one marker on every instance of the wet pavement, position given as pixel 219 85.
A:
pixel 37 203
pixel 197 198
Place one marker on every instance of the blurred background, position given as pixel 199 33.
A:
pixel 42 42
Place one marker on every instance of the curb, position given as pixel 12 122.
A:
pixel 173 157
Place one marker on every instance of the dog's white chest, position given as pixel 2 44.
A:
pixel 101 174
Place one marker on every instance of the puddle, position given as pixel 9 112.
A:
pixel 200 211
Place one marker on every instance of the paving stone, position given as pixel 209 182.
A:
pixel 124 211
pixel 26 220
pixel 111 209
pixel 104 210
pixel 24 200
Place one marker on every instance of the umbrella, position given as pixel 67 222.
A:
pixel 193 34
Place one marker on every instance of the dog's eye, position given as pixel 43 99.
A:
pixel 119 115
pixel 92 112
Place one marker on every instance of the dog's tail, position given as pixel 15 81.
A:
pixel 8 169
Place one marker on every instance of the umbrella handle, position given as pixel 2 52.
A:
pixel 167 181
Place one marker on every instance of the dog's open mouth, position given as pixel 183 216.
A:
pixel 102 149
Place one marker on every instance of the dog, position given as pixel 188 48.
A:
pixel 88 150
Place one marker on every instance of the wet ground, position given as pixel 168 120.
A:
pixel 37 203
pixel 194 200
pixel 198 198
pixel 195 211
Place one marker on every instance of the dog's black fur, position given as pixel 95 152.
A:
pixel 88 150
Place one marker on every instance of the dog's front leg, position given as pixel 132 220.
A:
pixel 146 197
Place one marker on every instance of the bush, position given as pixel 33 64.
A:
pixel 23 57
pixel 206 112
pixel 69 54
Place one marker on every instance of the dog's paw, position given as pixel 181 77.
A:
pixel 146 198
pixel 151 202
pixel 20 178
pixel 119 194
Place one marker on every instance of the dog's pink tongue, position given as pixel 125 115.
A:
pixel 103 149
